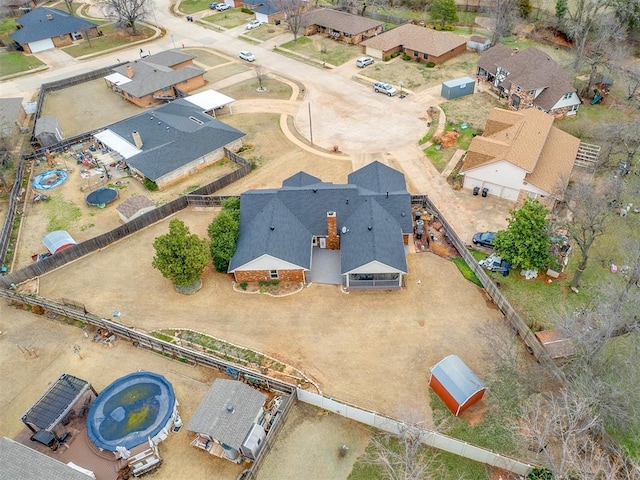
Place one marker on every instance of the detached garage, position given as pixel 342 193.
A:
pixel 458 88
pixel 456 385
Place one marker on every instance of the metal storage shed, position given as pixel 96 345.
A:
pixel 456 384
pixel 479 44
pixel 458 88
pixel 58 240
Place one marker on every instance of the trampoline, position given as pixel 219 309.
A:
pixel 49 179
pixel 131 410
pixel 102 196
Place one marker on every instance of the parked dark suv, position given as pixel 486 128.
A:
pixel 484 239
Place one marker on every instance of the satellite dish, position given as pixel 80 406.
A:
pixel 344 229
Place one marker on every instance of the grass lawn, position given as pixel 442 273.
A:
pixel 448 466
pixel 440 157
pixel 206 57
pixel 16 62
pixel 7 26
pixel 266 32
pixel 323 49
pixel 247 89
pixel 229 18
pixel 220 73
pixel 193 6
pixel 113 37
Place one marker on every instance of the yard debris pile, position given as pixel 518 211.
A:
pixel 446 139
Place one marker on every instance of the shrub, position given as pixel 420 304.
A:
pixel 246 10
pixel 150 184
pixel 430 64
pixel 243 285
pixel 406 57
pixel 387 58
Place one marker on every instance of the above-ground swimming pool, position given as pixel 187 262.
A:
pixel 131 410
pixel 102 196
pixel 49 179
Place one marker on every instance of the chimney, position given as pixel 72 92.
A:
pixel 130 71
pixel 333 241
pixel 49 16
pixel 137 139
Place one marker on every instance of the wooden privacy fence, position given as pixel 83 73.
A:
pixel 144 340
pixel 9 219
pixel 517 323
pixel 427 437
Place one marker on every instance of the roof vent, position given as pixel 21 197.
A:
pixel 230 408
pixel 49 16
pixel 369 228
pixel 273 228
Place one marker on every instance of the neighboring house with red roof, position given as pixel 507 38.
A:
pixel 529 78
pixel 519 155
pixel 45 28
pixel 157 78
pixel 420 43
pixel 341 26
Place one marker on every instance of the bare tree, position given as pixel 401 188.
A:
pixel 261 76
pixel 631 75
pixel 504 17
pixel 293 14
pixel 579 21
pixel 69 4
pixel 403 456
pixel 624 139
pixel 128 12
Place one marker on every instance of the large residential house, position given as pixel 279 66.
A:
pixel 529 79
pixel 170 142
pixel 519 155
pixel 44 28
pixel 309 230
pixel 342 26
pixel 420 43
pixel 155 79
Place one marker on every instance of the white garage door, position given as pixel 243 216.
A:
pixel 41 45
pixel 374 52
pixel 262 17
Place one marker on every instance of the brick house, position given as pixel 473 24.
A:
pixel 529 79
pixel 171 142
pixel 157 78
pixel 340 26
pixel 286 234
pixel 45 28
pixel 266 11
pixel 519 155
pixel 420 43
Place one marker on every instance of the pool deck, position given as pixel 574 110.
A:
pixel 77 449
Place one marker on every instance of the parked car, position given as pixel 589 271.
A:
pixel 247 55
pixel 222 7
pixel 213 5
pixel 484 239
pixel 381 87
pixel 364 61
pixel 253 24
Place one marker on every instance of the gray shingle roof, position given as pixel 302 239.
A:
pixel 172 139
pixel 227 412
pixel 20 462
pixel 530 69
pixel 9 112
pixel 297 213
pixel 46 124
pixel 133 205
pixel 265 7
pixel 339 21
pixel 36 26
pixel 155 72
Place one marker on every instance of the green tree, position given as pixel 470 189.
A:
pixel 561 9
pixel 525 8
pixel 223 232
pixel 525 242
pixel 180 255
pixel 444 12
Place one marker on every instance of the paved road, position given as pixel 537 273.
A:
pixel 338 110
